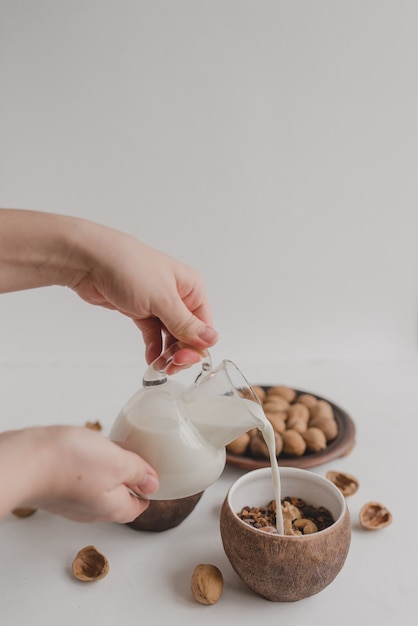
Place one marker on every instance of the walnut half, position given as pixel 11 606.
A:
pixel 346 483
pixel 24 512
pixel 374 515
pixel 89 564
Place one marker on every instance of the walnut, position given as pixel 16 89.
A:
pixel 315 439
pixel 374 515
pixel 299 517
pixel 207 583
pixel 24 512
pixel 277 421
pixel 239 445
pixel 328 426
pixel 297 423
pixel 284 392
pixel 322 408
pixel 290 513
pixel 278 440
pixel 298 417
pixel 307 526
pixel 89 564
pixel 346 483
pixel 259 392
pixel 307 399
pixel 293 443
pixel 299 410
pixel 276 403
pixel 246 392
pixel 93 425
pixel 258 446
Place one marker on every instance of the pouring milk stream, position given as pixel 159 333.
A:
pixel 182 431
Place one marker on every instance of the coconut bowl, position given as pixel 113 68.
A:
pixel 285 568
pixel 164 514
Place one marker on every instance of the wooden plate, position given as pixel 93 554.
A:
pixel 340 446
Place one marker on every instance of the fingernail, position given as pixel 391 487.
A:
pixel 207 334
pixel 149 484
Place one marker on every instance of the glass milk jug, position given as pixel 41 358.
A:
pixel 182 431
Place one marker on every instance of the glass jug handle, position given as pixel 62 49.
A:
pixel 156 373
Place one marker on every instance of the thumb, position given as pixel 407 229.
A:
pixel 137 473
pixel 196 330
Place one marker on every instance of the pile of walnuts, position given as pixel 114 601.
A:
pixel 301 423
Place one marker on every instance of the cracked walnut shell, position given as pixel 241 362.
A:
pixel 374 515
pixel 346 483
pixel 24 512
pixel 94 425
pixel 89 564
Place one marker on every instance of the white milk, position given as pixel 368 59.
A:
pixel 184 441
pixel 223 418
pixel 268 435
pixel 185 462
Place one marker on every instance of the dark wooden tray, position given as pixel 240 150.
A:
pixel 338 447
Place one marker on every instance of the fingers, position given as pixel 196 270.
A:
pixel 138 478
pixel 186 357
pixel 129 507
pixel 139 475
pixel 181 323
pixel 151 333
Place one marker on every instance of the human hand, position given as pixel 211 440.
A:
pixel 105 267
pixel 74 472
pixel 162 295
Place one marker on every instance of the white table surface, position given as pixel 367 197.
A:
pixel 149 577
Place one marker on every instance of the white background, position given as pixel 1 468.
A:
pixel 272 145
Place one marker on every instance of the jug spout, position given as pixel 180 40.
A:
pixel 222 405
